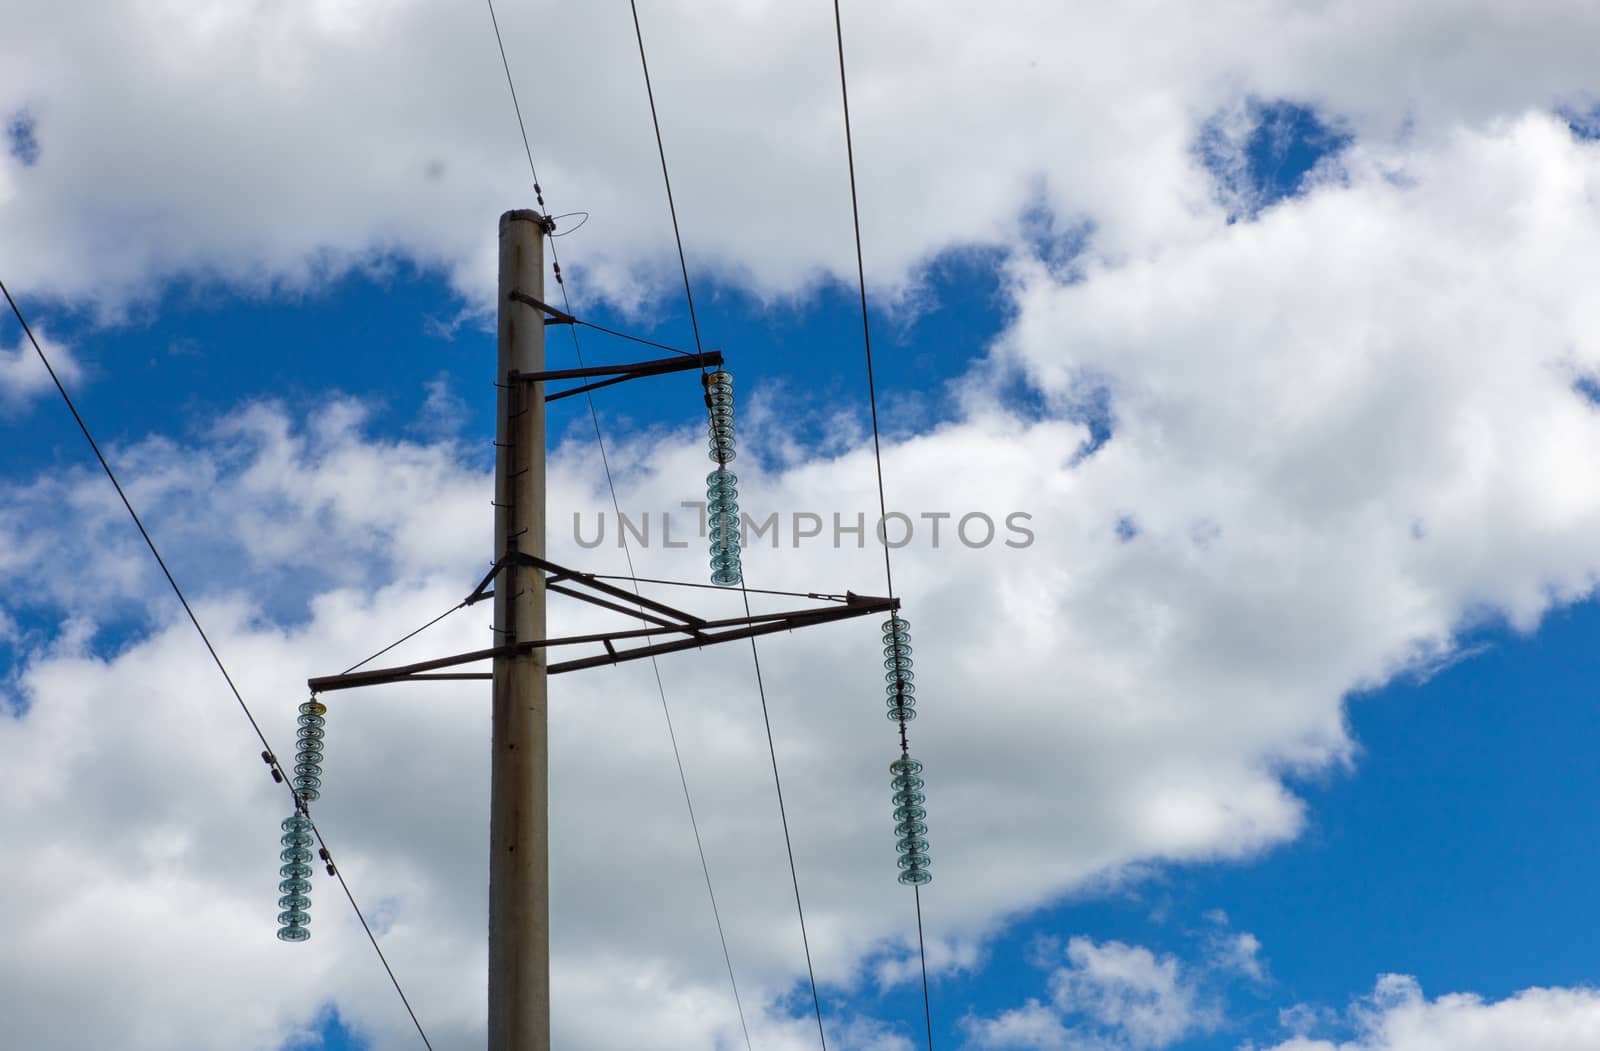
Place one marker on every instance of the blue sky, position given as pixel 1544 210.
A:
pixel 1277 738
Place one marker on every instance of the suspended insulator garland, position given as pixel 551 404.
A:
pixel 297 837
pixel 296 873
pixel 901 700
pixel 722 492
pixel 722 509
pixel 911 829
pixel 308 750
pixel 719 400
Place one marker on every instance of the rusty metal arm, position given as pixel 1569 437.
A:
pixel 700 633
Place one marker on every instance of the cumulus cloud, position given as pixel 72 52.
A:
pixel 1229 950
pixel 1239 952
pixel 278 144
pixel 22 375
pixel 1408 352
pixel 1111 996
pixel 1398 1017
pixel 1031 1026
pixel 296 506
pixel 1128 990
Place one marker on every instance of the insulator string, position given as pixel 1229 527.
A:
pixel 722 485
pixel 293 921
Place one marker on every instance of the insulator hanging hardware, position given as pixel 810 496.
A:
pixel 297 834
pixel 911 829
pixel 722 485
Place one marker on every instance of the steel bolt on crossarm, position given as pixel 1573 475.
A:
pixel 518 583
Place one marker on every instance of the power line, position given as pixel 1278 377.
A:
pixel 620 335
pixel 877 450
pixel 407 638
pixel 217 659
pixel 794 876
pixel 537 192
pixel 594 416
pixel 666 180
pixel 755 655
pixel 719 587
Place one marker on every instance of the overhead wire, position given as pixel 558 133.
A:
pixel 538 192
pixel 755 655
pixel 571 229
pixel 605 462
pixel 210 648
pixel 463 604
pixel 719 587
pixel 661 151
pixel 623 335
pixel 877 448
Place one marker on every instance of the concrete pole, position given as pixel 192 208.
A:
pixel 519 848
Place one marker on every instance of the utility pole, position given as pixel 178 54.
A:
pixel 519 827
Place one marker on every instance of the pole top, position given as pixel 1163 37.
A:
pixel 523 215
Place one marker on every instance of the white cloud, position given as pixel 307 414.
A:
pixel 22 375
pixel 1130 991
pixel 1239 952
pixel 278 144
pixel 444 412
pixel 1397 1017
pixel 1033 1027
pixel 1376 378
pixel 1231 950
pixel 944 956
pixel 1109 996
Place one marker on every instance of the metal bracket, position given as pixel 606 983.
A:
pixel 617 373
pixel 552 315
pixel 698 633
